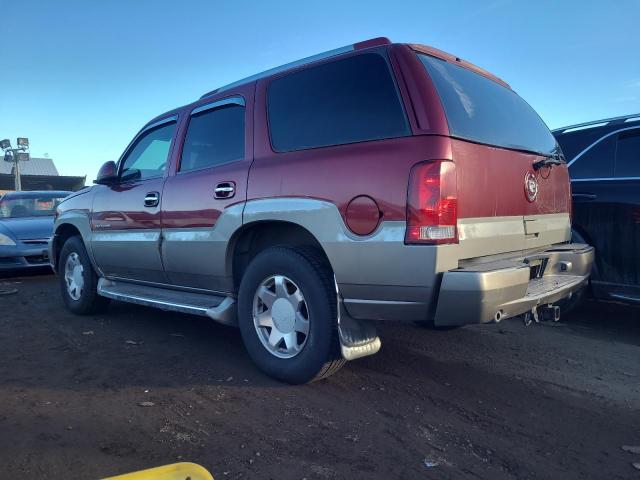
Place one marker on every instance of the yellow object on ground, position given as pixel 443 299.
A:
pixel 176 471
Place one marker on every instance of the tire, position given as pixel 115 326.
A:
pixel 284 275
pixel 83 300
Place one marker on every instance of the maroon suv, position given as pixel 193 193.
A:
pixel 378 181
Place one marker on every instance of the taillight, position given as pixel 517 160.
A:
pixel 432 203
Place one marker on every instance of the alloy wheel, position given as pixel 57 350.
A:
pixel 281 316
pixel 73 276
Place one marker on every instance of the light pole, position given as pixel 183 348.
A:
pixel 15 156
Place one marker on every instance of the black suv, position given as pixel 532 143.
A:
pixel 604 164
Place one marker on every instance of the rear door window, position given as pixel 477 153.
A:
pixel 481 110
pixel 214 137
pixel 597 162
pixel 628 154
pixel 345 101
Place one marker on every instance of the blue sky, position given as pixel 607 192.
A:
pixel 81 77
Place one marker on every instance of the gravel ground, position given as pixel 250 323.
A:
pixel 88 397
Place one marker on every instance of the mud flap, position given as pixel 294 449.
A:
pixel 358 338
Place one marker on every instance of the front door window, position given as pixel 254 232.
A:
pixel 148 156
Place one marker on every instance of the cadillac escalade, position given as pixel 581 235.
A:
pixel 378 181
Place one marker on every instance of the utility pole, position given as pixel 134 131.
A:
pixel 15 156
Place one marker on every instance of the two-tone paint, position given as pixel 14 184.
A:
pixel 349 200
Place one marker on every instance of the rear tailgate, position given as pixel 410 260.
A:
pixel 494 211
pixel 504 203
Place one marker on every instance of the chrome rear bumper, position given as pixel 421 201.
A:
pixel 492 291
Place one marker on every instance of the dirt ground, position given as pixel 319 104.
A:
pixel 484 402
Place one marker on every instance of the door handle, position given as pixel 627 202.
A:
pixel 151 199
pixel 224 190
pixel 588 196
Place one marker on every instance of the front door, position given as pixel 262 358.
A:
pixel 126 217
pixel 203 200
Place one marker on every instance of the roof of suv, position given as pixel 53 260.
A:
pixel 373 42
pixel 598 123
pixel 574 138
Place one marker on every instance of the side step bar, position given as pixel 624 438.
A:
pixel 218 307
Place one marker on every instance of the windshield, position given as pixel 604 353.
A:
pixel 41 205
pixel 482 110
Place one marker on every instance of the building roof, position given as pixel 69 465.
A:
pixel 34 166
pixel 42 182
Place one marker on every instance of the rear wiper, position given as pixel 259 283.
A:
pixel 555 158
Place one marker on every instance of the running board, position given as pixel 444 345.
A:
pixel 218 307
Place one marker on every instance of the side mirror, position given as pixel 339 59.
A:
pixel 108 174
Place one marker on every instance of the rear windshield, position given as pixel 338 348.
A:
pixel 31 205
pixel 482 110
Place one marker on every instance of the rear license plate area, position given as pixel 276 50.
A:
pixel 536 267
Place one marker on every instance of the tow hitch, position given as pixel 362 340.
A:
pixel 550 313
pixel 546 313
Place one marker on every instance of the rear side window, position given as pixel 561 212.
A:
pixel 345 101
pixel 482 110
pixel 597 162
pixel 628 154
pixel 214 137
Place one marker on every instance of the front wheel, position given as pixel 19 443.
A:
pixel 78 279
pixel 287 315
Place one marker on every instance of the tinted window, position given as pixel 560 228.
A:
pixel 214 137
pixel 149 153
pixel 597 162
pixel 482 110
pixel 345 101
pixel 628 154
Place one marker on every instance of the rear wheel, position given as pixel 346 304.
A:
pixel 78 279
pixel 287 315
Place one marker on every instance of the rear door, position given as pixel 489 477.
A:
pixel 125 220
pixel 606 208
pixel 504 203
pixel 204 197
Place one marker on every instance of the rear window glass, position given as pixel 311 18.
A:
pixel 482 110
pixel 345 101
pixel 628 154
pixel 597 162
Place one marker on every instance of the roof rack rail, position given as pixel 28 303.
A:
pixel 599 123
pixel 374 42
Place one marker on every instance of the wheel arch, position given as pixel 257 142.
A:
pixel 254 237
pixel 70 224
pixel 60 236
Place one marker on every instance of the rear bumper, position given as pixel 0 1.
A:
pixel 492 291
